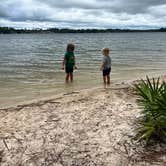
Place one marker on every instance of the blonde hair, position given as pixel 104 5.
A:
pixel 105 51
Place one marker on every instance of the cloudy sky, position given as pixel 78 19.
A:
pixel 140 14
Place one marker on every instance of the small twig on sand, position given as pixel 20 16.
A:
pixel 20 159
pixel 5 144
pixel 127 152
pixel 70 93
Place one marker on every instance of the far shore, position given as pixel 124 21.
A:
pixel 10 30
pixel 88 127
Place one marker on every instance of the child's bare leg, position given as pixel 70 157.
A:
pixel 67 77
pixel 104 79
pixel 71 77
pixel 108 79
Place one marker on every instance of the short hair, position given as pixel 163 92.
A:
pixel 106 50
pixel 70 47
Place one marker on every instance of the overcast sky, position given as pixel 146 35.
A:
pixel 140 14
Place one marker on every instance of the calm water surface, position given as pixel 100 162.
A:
pixel 30 64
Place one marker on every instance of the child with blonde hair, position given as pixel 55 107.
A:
pixel 106 65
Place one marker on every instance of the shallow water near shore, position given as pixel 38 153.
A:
pixel 30 64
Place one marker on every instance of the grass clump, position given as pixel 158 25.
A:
pixel 152 101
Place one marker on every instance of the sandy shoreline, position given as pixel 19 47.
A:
pixel 88 127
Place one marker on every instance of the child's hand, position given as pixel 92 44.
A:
pixel 63 68
pixel 75 67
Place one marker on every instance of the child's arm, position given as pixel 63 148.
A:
pixel 63 63
pixel 75 63
pixel 102 66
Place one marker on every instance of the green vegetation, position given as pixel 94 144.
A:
pixel 152 100
pixel 6 30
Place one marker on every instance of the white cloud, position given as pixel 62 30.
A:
pixel 83 13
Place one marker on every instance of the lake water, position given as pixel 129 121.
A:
pixel 30 64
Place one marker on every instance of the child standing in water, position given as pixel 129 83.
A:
pixel 69 62
pixel 106 65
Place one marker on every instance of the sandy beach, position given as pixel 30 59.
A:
pixel 91 127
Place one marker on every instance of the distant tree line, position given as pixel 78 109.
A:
pixel 9 30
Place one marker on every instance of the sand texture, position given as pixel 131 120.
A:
pixel 85 128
